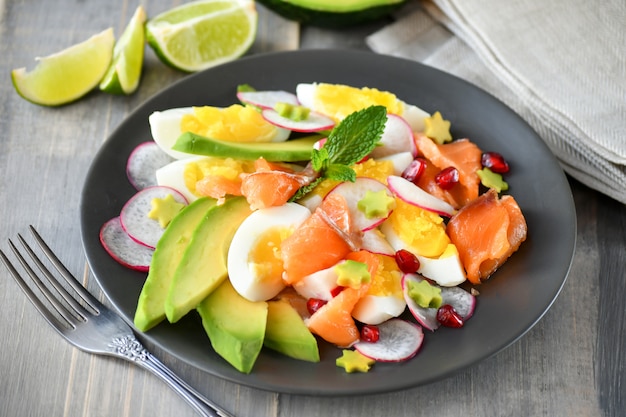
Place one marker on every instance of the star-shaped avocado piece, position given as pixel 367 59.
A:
pixel 352 274
pixel 437 128
pixel 491 179
pixel 164 209
pixel 353 361
pixel 376 204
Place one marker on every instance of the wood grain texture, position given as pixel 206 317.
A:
pixel 570 364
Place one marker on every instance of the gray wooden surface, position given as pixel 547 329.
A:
pixel 570 364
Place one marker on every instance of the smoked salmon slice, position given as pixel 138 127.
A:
pixel 462 154
pixel 486 232
pixel 319 242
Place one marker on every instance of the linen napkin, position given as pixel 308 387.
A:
pixel 560 64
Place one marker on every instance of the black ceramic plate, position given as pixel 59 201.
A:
pixel 510 303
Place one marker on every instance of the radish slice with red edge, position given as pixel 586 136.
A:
pixel 143 162
pixel 399 340
pixel 463 302
pixel 267 99
pixel 134 215
pixel 410 193
pixel 122 248
pixel 353 192
pixel 315 122
pixel 397 137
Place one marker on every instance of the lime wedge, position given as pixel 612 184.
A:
pixel 204 33
pixel 124 72
pixel 67 75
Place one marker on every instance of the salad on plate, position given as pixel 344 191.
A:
pixel 330 214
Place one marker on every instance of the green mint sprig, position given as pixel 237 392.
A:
pixel 349 142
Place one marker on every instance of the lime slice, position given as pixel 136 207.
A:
pixel 125 71
pixel 203 33
pixel 67 75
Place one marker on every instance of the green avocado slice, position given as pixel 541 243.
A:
pixel 293 150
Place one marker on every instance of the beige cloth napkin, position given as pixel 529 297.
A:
pixel 560 64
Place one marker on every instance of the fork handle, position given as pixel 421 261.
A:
pixel 197 401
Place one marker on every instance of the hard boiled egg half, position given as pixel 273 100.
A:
pixel 255 267
pixel 338 101
pixel 236 123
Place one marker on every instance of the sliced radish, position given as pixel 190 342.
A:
pixel 397 137
pixel 374 241
pixel 315 122
pixel 122 248
pixel 143 162
pixel 353 192
pixel 462 301
pixel 319 144
pixel 134 215
pixel 399 340
pixel 400 161
pixel 267 99
pixel 412 194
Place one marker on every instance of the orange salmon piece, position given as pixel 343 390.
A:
pixel 316 244
pixel 217 186
pixel 462 154
pixel 486 232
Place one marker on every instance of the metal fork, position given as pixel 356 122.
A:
pixel 95 329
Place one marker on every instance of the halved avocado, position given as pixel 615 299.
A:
pixel 333 13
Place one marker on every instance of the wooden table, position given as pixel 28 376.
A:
pixel 572 363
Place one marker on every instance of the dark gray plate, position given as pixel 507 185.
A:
pixel 515 298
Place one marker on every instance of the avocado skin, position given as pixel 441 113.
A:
pixel 203 265
pixel 323 15
pixel 286 333
pixel 168 252
pixel 293 150
pixel 235 326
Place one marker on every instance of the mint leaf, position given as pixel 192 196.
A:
pixel 319 159
pixel 356 135
pixel 340 172
pixel 305 189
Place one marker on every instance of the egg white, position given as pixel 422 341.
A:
pixel 241 274
pixel 411 113
pixel 173 175
pixel 375 309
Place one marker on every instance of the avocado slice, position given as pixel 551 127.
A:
pixel 292 150
pixel 167 255
pixel 203 265
pixel 333 13
pixel 235 325
pixel 286 332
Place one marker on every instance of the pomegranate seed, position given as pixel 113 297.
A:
pixel 407 262
pixel 415 170
pixel 448 317
pixel 495 162
pixel 370 333
pixel 314 304
pixel 335 291
pixel 447 177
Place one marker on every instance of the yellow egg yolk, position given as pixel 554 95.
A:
pixel 264 259
pixel 423 231
pixel 338 101
pixel 228 168
pixel 387 280
pixel 235 123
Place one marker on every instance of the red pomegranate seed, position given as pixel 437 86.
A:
pixel 370 333
pixel 314 304
pixel 448 317
pixel 447 177
pixel 415 170
pixel 495 162
pixel 335 291
pixel 407 262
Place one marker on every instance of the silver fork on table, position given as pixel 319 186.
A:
pixel 89 325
